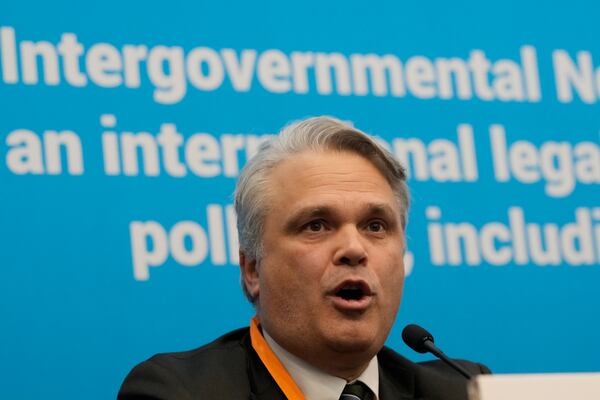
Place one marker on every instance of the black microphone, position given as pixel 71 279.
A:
pixel 421 341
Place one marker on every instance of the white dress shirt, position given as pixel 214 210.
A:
pixel 316 384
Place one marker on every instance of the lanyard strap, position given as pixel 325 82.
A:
pixel 274 366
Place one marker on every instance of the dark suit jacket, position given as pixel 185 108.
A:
pixel 229 368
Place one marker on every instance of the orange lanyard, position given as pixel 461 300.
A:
pixel 274 366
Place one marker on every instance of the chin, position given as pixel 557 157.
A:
pixel 352 347
pixel 354 341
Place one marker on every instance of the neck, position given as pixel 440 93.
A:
pixel 316 382
pixel 345 365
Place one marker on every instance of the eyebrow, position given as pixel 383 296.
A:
pixel 305 214
pixel 381 208
pixel 384 210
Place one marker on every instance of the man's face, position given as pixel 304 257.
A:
pixel 330 280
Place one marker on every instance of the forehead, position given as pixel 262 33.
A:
pixel 328 176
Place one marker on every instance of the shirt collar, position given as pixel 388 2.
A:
pixel 316 384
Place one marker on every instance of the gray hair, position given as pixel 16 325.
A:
pixel 312 134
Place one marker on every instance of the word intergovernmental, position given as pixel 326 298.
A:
pixel 173 70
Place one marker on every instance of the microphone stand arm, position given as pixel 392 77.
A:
pixel 428 344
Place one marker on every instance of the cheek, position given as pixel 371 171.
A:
pixel 392 277
pixel 290 266
pixel 291 271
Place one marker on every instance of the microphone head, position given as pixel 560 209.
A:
pixel 415 337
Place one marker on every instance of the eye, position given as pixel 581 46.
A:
pixel 315 226
pixel 376 226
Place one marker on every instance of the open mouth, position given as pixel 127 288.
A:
pixel 352 291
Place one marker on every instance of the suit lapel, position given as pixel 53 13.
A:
pixel 396 378
pixel 262 385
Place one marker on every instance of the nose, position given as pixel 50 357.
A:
pixel 351 250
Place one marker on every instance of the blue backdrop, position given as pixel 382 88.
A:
pixel 124 125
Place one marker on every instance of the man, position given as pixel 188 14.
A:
pixel 322 211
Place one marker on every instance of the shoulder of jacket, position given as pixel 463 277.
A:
pixel 217 370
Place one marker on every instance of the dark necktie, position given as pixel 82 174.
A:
pixel 356 391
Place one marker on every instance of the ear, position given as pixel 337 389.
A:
pixel 250 277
